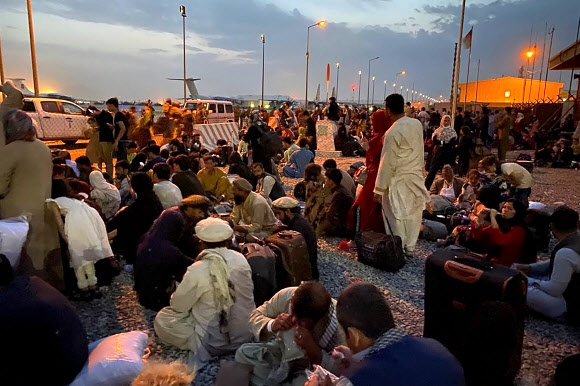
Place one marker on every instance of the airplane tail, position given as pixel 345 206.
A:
pixel 317 97
pixel 19 83
pixel 333 92
pixel 190 82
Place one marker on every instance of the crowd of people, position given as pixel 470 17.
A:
pixel 176 221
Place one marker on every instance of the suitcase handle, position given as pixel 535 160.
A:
pixel 462 272
pixel 287 234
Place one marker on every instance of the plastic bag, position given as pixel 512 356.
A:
pixel 13 233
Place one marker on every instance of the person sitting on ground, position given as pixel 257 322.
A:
pixel 133 221
pixel 209 310
pixel 379 353
pixel 193 209
pixel 302 317
pixel 153 157
pixel 346 181
pixel 505 238
pixel 444 191
pixel 347 144
pixel 335 218
pixel 183 177
pixel 252 214
pixel 122 181
pixel 289 148
pixel 239 168
pixel 67 157
pixel 85 168
pixel 105 194
pixel 298 161
pixel 214 181
pixel 469 190
pixel 267 185
pixel 168 193
pixel 35 316
pixel 316 195
pixel 287 210
pixel 159 262
pixel 554 285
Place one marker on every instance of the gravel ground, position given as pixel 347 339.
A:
pixel 545 342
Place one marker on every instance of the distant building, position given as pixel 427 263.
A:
pixel 506 91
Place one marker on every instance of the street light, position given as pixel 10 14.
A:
pixel 321 23
pixel 407 98
pixel 373 100
pixel 183 16
pixel 337 71
pixel 369 79
pixel 359 77
pixel 403 72
pixel 529 54
pixel 385 93
pixel 263 39
pixel 394 89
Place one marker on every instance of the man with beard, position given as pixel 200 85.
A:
pixel 267 185
pixel 252 214
pixel 287 210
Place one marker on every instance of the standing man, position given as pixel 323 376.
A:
pixel 333 110
pixel 399 185
pixel 119 127
pixel 504 126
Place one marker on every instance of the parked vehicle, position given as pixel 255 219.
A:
pixel 217 111
pixel 56 119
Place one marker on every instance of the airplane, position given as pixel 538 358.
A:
pixel 242 100
pixel 20 85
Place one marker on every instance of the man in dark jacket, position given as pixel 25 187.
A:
pixel 36 318
pixel 133 221
pixel 335 218
pixel 333 109
pixel 185 179
pixel 379 353
pixel 287 210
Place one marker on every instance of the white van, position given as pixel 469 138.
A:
pixel 217 111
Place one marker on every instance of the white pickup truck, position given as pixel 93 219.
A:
pixel 56 119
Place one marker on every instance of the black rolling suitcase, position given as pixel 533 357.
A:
pixel 262 261
pixel 457 282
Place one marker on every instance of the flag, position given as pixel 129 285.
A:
pixel 467 39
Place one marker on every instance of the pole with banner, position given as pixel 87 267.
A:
pixel 457 65
pixel 327 78
pixel 467 44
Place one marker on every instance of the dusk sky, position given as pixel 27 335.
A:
pixel 127 48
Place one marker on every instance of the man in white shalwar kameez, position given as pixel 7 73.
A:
pixel 400 186
pixel 209 310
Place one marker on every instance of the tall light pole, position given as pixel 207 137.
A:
pixel 385 93
pixel 337 71
pixel 394 88
pixel 369 79
pixel 359 77
pixel 403 72
pixel 32 48
pixel 407 98
pixel 263 39
pixel 373 100
pixel 183 16
pixel 529 54
pixel 321 23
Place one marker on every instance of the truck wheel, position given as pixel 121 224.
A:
pixel 69 142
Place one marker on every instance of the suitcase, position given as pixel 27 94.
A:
pixel 381 251
pixel 433 230
pixel 292 259
pixel 457 282
pixel 262 261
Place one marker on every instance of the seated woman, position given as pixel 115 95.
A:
pixel 315 205
pixel 347 144
pixel 237 166
pixel 504 238
pixel 160 262
pixel 469 190
pixel 445 190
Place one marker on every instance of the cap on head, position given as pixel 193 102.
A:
pixel 285 203
pixel 243 184
pixel 213 230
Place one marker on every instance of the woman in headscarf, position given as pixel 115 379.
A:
pixel 25 184
pixel 105 194
pixel 347 144
pixel 505 238
pixel 444 138
pixel 371 216
pixel 160 262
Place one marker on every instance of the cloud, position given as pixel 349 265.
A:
pixel 153 51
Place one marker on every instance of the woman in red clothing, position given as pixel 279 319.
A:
pixel 371 215
pixel 505 237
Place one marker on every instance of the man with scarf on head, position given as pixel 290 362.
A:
pixel 209 311
pixel 399 186
pixel 297 328
pixel 252 215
